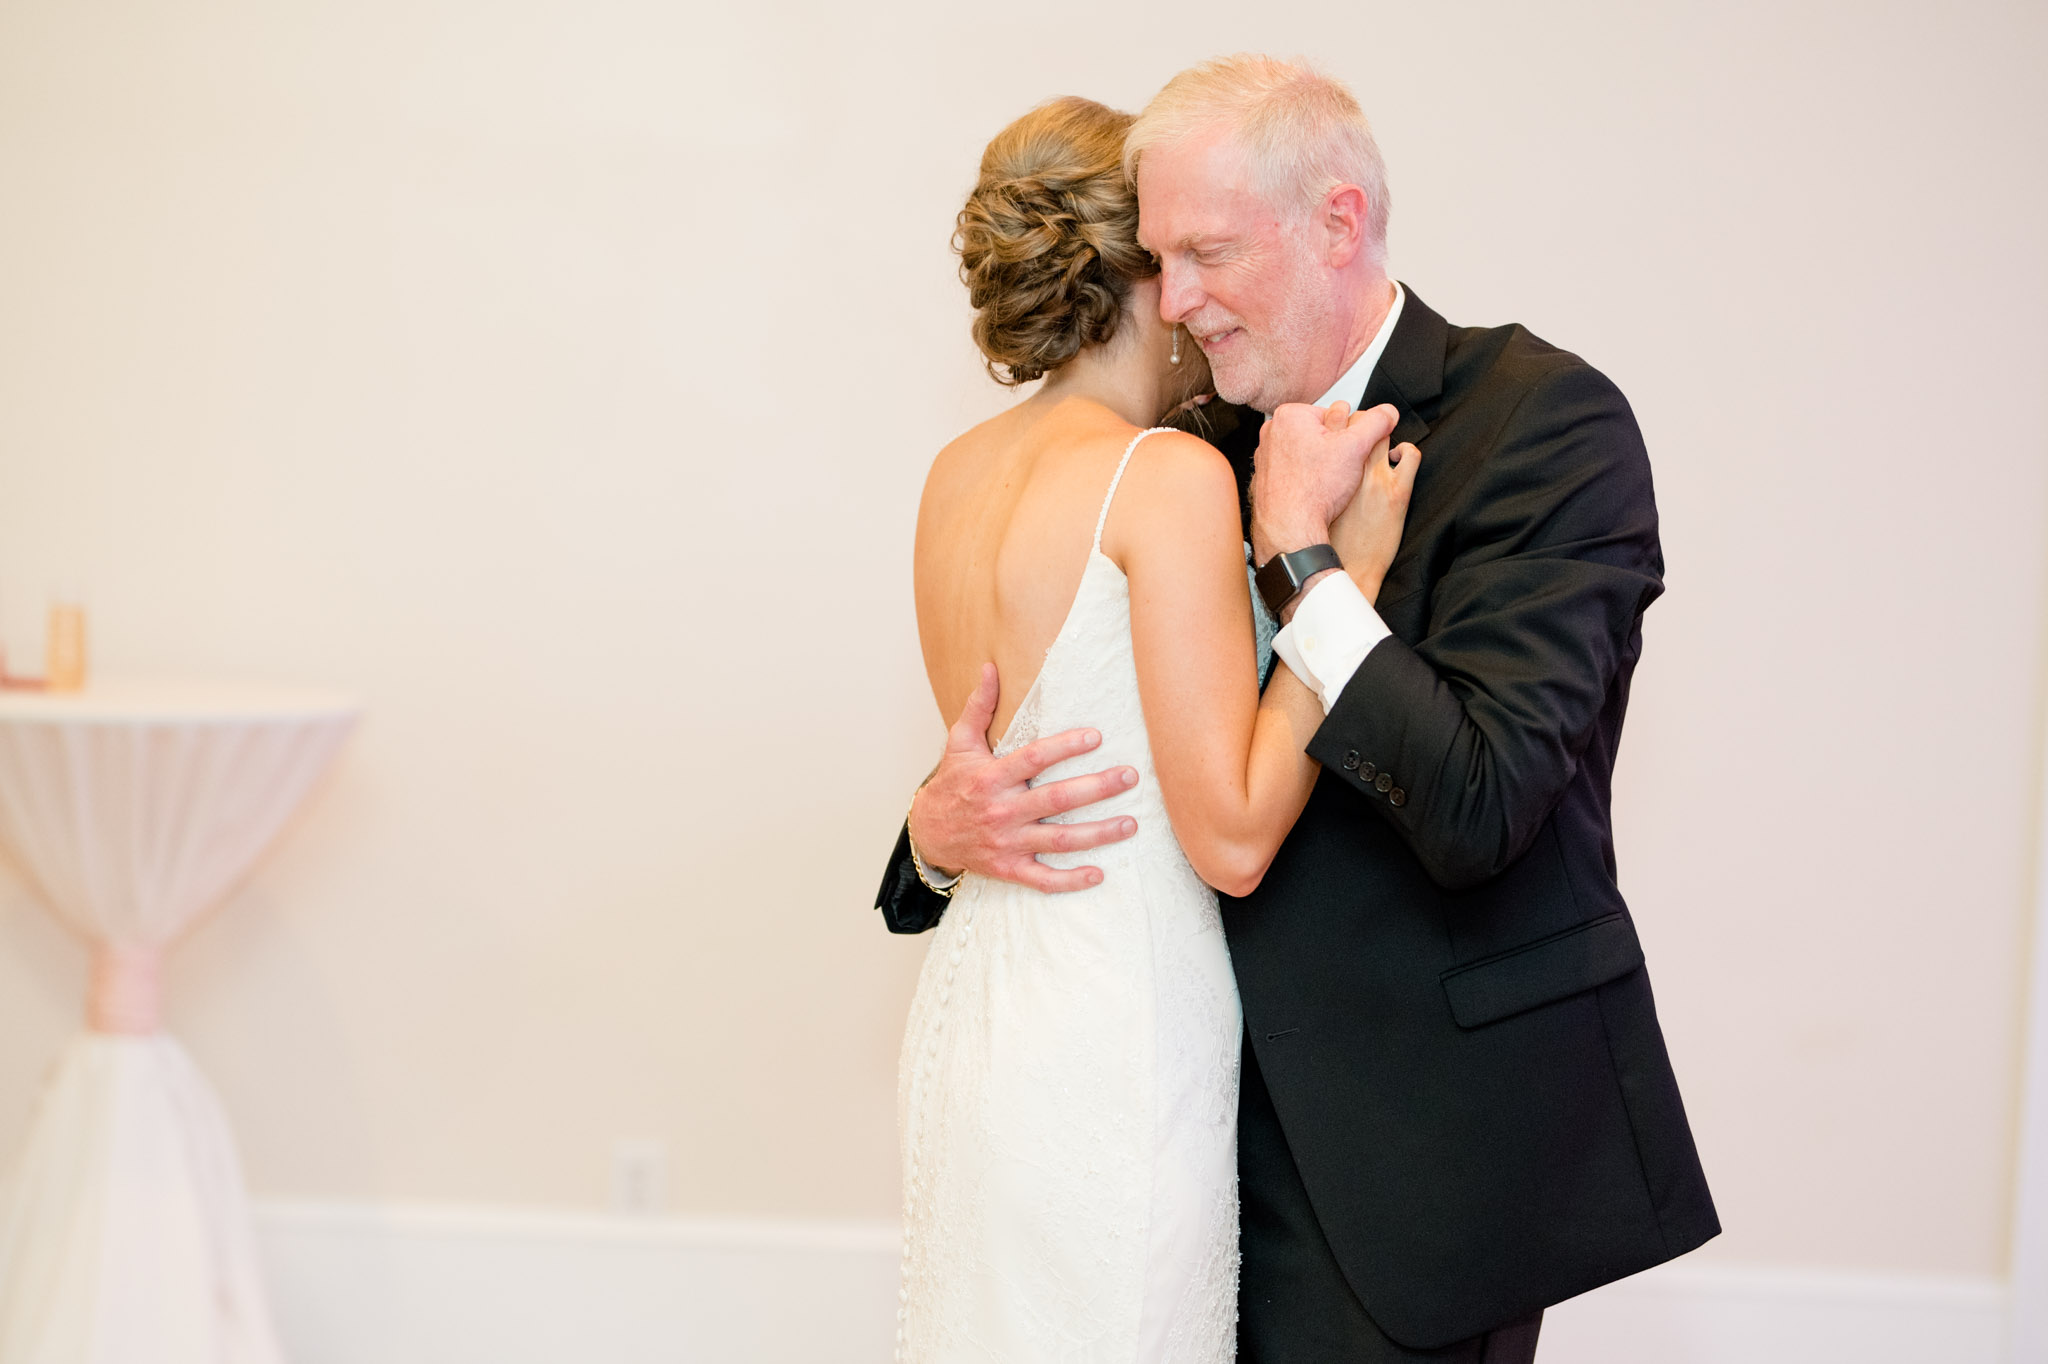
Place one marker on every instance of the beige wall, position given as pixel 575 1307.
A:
pixel 560 379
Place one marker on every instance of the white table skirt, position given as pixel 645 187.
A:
pixel 124 1232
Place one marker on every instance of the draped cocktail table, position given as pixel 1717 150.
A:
pixel 133 809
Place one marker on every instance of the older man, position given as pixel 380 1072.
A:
pixel 1457 1108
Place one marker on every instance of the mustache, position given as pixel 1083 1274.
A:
pixel 1201 325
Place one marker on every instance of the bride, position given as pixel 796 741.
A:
pixel 1068 1087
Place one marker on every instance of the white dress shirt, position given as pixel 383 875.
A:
pixel 1335 627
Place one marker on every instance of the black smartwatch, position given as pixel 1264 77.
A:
pixel 1283 574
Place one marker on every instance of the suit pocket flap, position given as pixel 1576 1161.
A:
pixel 1575 960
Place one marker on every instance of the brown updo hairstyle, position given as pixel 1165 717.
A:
pixel 1048 240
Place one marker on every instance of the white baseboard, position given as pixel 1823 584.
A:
pixel 421 1285
pixel 1711 1314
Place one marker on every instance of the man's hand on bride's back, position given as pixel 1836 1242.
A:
pixel 1367 532
pixel 977 813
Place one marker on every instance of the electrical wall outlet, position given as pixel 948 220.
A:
pixel 639 1176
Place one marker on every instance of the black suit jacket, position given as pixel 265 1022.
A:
pixel 1441 983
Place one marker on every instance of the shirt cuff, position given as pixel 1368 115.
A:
pixel 933 877
pixel 1333 630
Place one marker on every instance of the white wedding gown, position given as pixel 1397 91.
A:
pixel 1068 1087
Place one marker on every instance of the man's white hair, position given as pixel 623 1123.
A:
pixel 1304 132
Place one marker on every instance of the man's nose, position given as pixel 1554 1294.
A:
pixel 1179 296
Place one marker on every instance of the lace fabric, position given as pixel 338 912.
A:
pixel 1067 1094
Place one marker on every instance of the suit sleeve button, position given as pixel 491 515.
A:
pixel 1385 783
pixel 1397 798
pixel 1351 762
pixel 1368 772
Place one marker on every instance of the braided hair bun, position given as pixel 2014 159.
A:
pixel 1048 240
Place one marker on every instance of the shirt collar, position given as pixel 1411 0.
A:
pixel 1351 388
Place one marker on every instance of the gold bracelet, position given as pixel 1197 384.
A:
pixel 943 892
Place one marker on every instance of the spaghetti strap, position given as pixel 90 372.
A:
pixel 1102 517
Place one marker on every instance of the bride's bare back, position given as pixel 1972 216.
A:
pixel 1003 537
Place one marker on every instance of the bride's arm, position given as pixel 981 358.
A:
pixel 1232 767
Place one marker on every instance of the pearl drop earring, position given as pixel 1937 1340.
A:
pixel 1175 359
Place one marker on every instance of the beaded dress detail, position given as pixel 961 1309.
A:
pixel 1067 1095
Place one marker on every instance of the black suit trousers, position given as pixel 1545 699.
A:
pixel 1294 1304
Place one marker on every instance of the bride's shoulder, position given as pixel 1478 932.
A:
pixel 976 445
pixel 1175 484
pixel 1179 451
pixel 1176 462
pixel 963 464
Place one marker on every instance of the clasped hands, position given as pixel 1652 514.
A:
pixel 1321 476
pixel 1328 476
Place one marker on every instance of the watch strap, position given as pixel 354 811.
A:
pixel 1283 574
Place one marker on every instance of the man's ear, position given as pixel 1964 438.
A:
pixel 1343 221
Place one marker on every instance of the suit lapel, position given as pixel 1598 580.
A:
pixel 1235 431
pixel 1410 373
